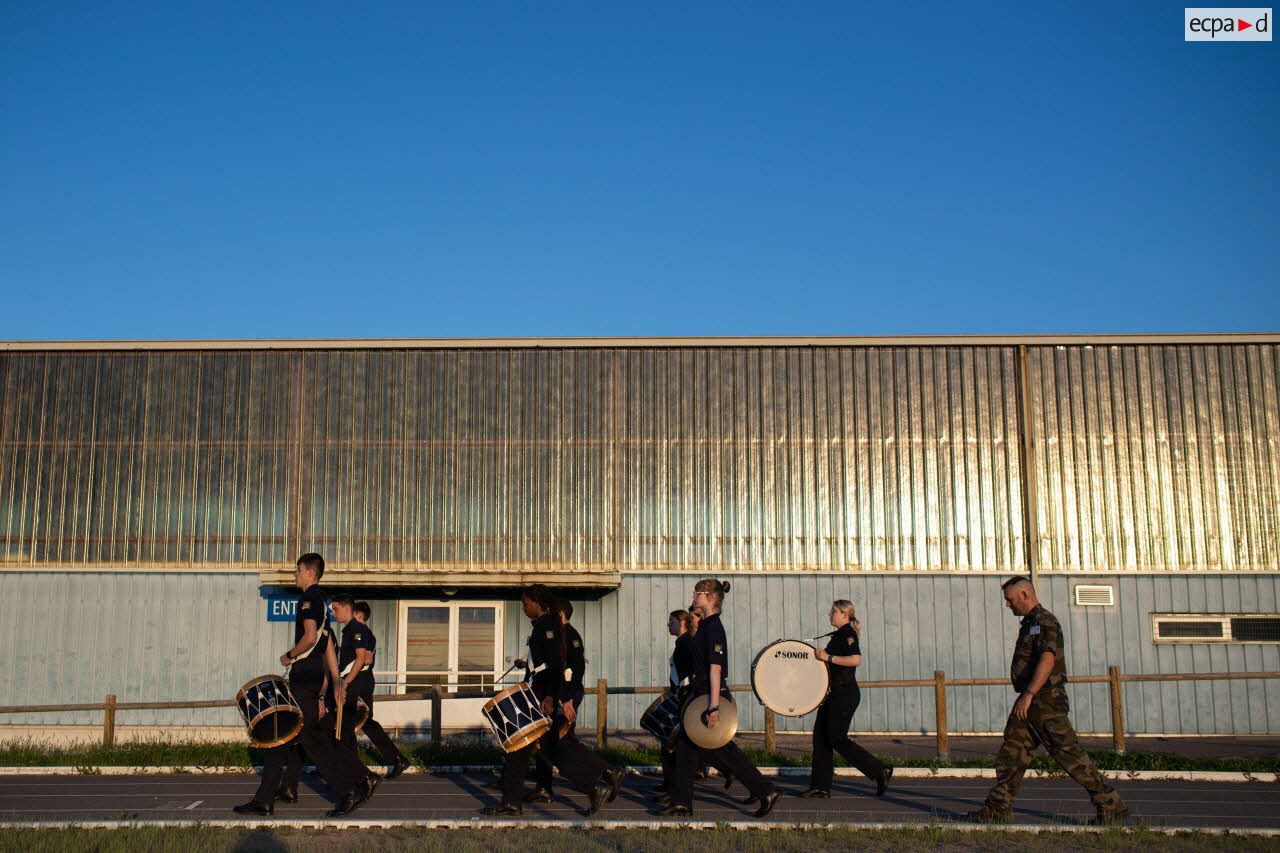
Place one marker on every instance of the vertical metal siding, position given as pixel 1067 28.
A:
pixel 1157 458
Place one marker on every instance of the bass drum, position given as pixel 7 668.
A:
pixel 699 732
pixel 788 678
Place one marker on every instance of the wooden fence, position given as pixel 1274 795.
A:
pixel 110 707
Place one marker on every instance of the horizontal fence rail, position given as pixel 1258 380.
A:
pixel 602 691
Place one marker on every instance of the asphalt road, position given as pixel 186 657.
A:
pixel 448 798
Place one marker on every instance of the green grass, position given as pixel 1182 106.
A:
pixel 200 840
pixel 475 749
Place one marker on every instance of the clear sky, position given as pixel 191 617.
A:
pixel 436 169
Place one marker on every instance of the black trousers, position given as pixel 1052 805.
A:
pixel 341 769
pixel 831 734
pixel 667 756
pixel 577 763
pixel 374 732
pixel 727 759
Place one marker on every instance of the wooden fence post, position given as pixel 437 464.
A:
pixel 437 714
pixel 1117 709
pixel 109 720
pixel 602 713
pixel 940 711
pixel 770 731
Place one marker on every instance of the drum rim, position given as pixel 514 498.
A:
pixel 523 737
pixel 503 694
pixel 284 738
pixel 271 676
pixel 368 712
pixel 756 690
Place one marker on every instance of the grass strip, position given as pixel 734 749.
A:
pixel 721 840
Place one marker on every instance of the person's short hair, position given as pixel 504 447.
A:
pixel 361 608
pixel 565 606
pixel 343 599
pixel 314 561
pixel 1014 581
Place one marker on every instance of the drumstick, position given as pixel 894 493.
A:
pixel 337 724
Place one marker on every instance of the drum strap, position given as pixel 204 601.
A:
pixel 319 636
pixel 347 668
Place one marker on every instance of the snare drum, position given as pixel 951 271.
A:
pixel 271 715
pixel 788 678
pixel 515 717
pixel 662 718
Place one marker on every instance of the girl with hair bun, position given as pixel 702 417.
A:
pixel 710 673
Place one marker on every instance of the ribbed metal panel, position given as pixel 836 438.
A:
pixel 481 460
pixel 1156 458
pixel 728 459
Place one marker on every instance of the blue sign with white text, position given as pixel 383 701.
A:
pixel 281 608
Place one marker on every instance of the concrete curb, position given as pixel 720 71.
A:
pixel 515 824
pixel 899 773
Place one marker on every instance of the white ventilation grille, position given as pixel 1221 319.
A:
pixel 1095 595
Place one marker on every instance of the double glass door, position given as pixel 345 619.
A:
pixel 454 644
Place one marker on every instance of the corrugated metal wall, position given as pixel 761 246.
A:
pixel 752 458
pixel 160 637
pixel 1156 458
pixel 805 458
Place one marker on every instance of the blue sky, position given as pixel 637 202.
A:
pixel 181 170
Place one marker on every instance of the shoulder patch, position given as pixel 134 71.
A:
pixel 853 641
pixel 359 636
pixel 577 645
pixel 551 635
pixel 719 648
pixel 1035 629
pixel 306 605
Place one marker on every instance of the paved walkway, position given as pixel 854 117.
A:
pixel 450 798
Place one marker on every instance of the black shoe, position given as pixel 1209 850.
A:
pixel 367 786
pixel 287 795
pixel 673 810
pixel 502 809
pixel 538 795
pixel 599 795
pixel 664 799
pixel 254 807
pixel 396 769
pixel 815 794
pixel 766 805
pixel 882 784
pixel 349 803
pixel 748 799
pixel 728 780
pixel 613 778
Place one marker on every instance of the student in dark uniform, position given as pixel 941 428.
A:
pixel 372 729
pixel 555 751
pixel 842 656
pixel 310 660
pixel 710 674
pixel 355 669
pixel 545 672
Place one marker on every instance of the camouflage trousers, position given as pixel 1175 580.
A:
pixel 1046 725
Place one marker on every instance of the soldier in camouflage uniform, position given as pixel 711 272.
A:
pixel 1039 716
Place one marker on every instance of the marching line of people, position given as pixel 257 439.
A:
pixel 328 676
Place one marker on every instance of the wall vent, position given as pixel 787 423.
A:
pixel 1095 595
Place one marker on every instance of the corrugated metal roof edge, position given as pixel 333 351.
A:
pixel 650 342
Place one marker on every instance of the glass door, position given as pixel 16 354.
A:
pixel 454 644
